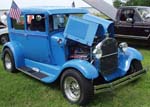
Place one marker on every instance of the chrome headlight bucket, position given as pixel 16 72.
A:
pixel 123 46
pixel 97 51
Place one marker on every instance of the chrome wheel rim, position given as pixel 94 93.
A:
pixel 8 63
pixel 72 89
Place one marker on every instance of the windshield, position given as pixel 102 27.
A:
pixel 59 21
pixel 144 13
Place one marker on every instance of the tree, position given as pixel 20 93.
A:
pixel 138 3
pixel 117 3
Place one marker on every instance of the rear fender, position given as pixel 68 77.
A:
pixel 84 67
pixel 16 51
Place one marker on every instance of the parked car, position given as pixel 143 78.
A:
pixel 131 22
pixel 3 33
pixel 72 46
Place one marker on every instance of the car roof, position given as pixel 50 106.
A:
pixel 134 7
pixel 52 10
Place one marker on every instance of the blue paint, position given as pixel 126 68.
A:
pixel 49 51
pixel 106 26
pixel 81 30
pixel 87 69
pixel 52 10
pixel 17 52
pixel 125 60
pixel 58 49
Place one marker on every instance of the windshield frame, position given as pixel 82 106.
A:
pixel 52 24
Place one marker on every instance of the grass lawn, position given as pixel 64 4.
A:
pixel 20 90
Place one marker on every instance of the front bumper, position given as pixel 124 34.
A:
pixel 119 82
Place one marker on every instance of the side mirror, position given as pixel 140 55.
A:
pixel 147 16
pixel 129 20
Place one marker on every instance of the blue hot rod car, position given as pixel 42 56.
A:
pixel 70 45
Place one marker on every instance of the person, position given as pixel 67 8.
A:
pixel 73 4
pixel 4 18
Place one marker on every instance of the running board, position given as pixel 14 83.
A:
pixel 38 75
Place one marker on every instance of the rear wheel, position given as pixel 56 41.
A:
pixel 4 39
pixel 8 60
pixel 75 87
pixel 135 66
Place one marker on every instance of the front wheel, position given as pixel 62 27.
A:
pixel 8 60
pixel 135 66
pixel 75 87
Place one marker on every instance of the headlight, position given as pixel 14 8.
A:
pixel 123 46
pixel 97 51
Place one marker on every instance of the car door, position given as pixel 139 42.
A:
pixel 141 28
pixel 36 44
pixel 123 28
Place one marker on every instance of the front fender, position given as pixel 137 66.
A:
pixel 86 69
pixel 16 51
pixel 125 58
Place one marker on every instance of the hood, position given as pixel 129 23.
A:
pixel 84 29
pixel 80 30
pixel 103 7
pixel 106 25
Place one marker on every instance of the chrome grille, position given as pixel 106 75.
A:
pixel 109 60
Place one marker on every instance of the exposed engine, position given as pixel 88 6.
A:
pixel 81 51
pixel 104 52
pixel 78 51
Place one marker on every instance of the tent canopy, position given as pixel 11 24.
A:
pixel 103 7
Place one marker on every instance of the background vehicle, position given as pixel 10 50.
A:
pixel 131 22
pixel 71 45
pixel 3 34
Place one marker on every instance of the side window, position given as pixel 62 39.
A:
pixel 136 17
pixel 36 22
pixel 59 21
pixel 128 13
pixel 18 24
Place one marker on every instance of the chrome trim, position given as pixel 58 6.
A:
pixel 129 26
pixel 119 82
pixel 132 36
pixel 8 63
pixel 109 55
pixel 29 74
pixel 72 89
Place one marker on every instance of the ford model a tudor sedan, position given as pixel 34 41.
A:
pixel 72 46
